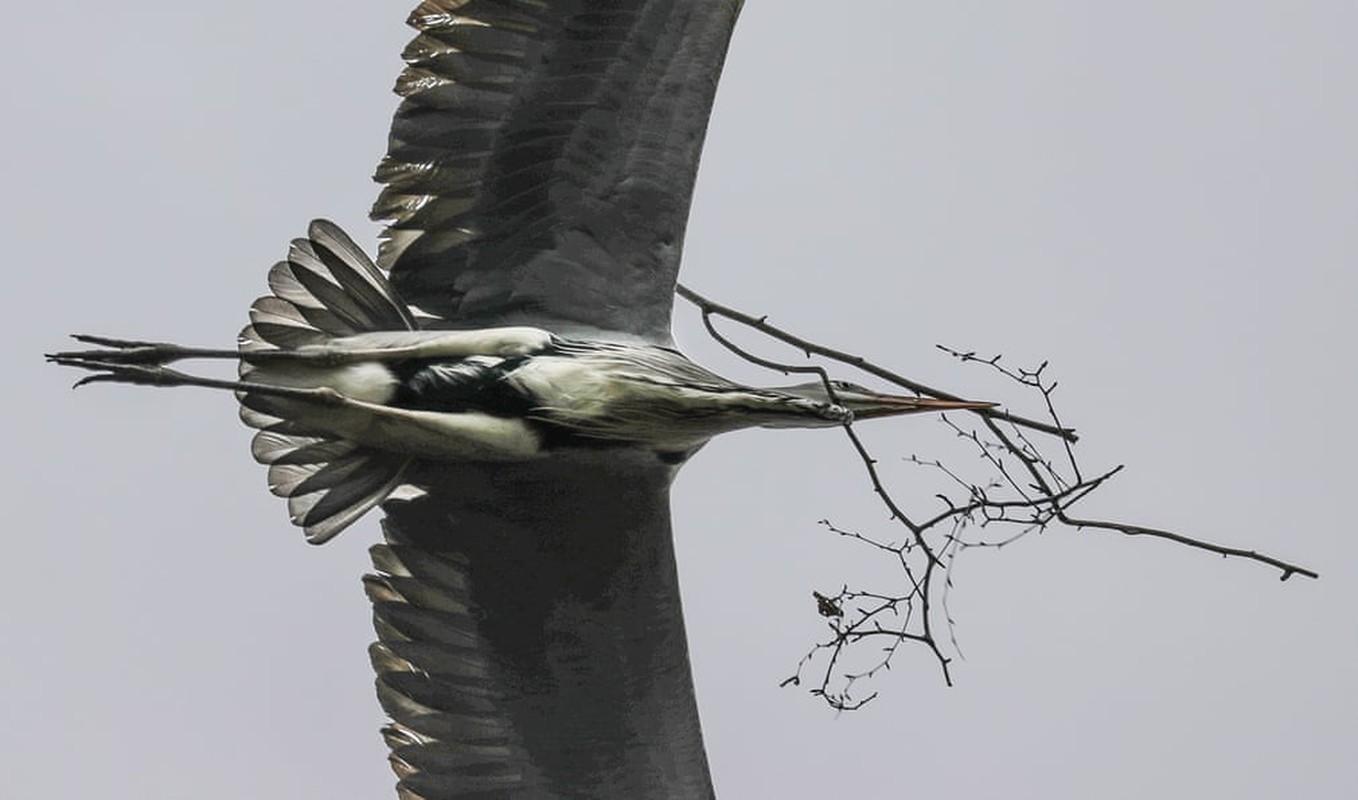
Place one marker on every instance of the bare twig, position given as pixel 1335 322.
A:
pixel 1022 489
pixel 710 308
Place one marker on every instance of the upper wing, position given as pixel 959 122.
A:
pixel 541 163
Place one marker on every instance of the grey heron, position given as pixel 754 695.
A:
pixel 527 423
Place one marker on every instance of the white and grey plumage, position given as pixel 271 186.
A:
pixel 526 424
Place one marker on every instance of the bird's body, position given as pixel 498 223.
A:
pixel 569 393
pixel 317 391
pixel 504 375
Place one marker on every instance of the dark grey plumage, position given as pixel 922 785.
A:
pixel 544 646
pixel 540 170
pixel 523 432
pixel 542 160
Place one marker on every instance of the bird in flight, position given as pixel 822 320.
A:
pixel 503 382
pixel 346 391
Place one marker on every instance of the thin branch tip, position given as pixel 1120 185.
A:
pixel 1021 488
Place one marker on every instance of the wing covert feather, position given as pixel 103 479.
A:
pixel 541 163
pixel 530 636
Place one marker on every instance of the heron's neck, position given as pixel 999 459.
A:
pixel 650 396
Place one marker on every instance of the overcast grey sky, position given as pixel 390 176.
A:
pixel 1160 198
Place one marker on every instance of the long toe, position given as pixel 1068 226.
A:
pixel 107 371
pixel 149 353
pixel 119 344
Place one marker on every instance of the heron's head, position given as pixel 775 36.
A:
pixel 864 403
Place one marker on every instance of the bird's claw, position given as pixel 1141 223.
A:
pixel 117 344
pixel 107 371
pixel 98 377
pixel 119 351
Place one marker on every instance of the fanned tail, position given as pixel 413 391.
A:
pixel 329 483
pixel 326 289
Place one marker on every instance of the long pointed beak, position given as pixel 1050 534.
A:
pixel 888 405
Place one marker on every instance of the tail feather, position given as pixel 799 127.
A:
pixel 325 512
pixel 363 282
pixel 250 341
pixel 261 420
pixel 336 474
pixel 328 483
pixel 327 288
pixel 312 273
pixel 286 286
pixel 270 447
pixel 283 324
pixel 336 272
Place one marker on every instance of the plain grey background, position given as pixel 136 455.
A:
pixel 1161 198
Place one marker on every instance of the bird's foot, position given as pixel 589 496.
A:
pixel 122 351
pixel 107 368
pixel 115 371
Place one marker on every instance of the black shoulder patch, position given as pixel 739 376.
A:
pixel 456 385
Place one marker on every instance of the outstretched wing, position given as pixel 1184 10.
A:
pixel 541 163
pixel 531 641
pixel 540 171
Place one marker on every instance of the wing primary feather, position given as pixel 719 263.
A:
pixel 541 163
pixel 450 735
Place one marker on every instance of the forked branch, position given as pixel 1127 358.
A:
pixel 1020 490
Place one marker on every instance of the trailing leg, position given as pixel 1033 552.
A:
pixel 128 351
pixel 155 373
